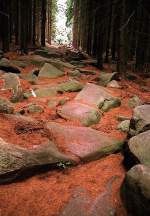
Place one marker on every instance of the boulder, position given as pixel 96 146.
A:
pixel 98 96
pixel 134 102
pixel 8 66
pixel 124 126
pixel 86 143
pixel 105 78
pixel 6 106
pixel 139 148
pixel 50 71
pixel 94 95
pixel 140 121
pixel 12 81
pixel 135 191
pixel 114 84
pixel 85 114
pixel 14 159
pixel 70 86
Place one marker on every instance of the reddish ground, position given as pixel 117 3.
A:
pixel 46 194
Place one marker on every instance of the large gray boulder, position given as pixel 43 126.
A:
pixel 50 71
pixel 105 78
pixel 141 119
pixel 135 191
pixel 139 148
pixel 86 143
pixel 12 81
pixel 14 159
pixel 8 66
pixel 85 114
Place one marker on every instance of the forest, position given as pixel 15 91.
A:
pixel 74 107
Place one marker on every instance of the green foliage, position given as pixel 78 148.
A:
pixel 69 12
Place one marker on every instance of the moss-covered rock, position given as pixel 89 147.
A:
pixel 134 102
pixel 124 126
pixel 110 104
pixel 70 86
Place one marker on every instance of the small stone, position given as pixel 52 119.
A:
pixel 113 84
pixel 122 118
pixel 134 102
pixel 139 148
pixel 110 104
pixel 124 126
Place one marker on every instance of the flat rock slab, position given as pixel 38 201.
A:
pixel 94 95
pixel 139 147
pixel 50 71
pixel 135 191
pixel 14 159
pixel 61 65
pixel 85 114
pixel 86 143
pixel 12 81
pixel 81 204
pixel 141 119
pixel 78 204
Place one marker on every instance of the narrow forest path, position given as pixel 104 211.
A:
pixel 81 117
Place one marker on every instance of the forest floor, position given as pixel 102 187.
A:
pixel 47 193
